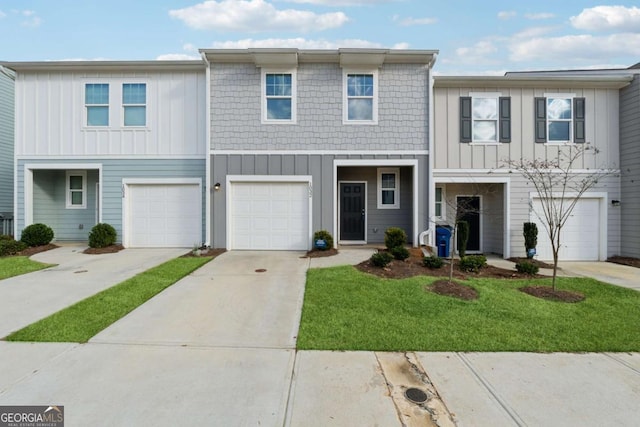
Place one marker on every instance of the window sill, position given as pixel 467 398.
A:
pixel 388 207
pixel 485 143
pixel 356 123
pixel 76 207
pixel 279 122
pixel 113 128
pixel 559 143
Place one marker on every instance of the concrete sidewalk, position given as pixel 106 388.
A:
pixel 30 297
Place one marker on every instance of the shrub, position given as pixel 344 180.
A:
pixel 432 262
pixel 473 263
pixel 527 267
pixel 5 237
pixel 462 238
pixel 102 235
pixel 400 253
pixel 11 247
pixel 381 259
pixel 530 233
pixel 37 235
pixel 394 237
pixel 324 235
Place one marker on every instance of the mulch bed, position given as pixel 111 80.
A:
pixel 546 292
pixel 37 249
pixel 205 252
pixel 320 254
pixel 111 249
pixel 533 261
pixel 453 289
pixel 633 262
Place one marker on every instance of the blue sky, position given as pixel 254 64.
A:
pixel 474 37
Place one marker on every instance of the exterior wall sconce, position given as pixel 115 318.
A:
pixel 216 186
pixel 615 202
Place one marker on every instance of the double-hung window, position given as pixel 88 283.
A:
pixel 134 104
pixel 96 101
pixel 360 97
pixel 279 96
pixel 560 118
pixel 76 184
pixel 440 205
pixel 388 188
pixel 485 118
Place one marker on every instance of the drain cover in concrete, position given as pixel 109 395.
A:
pixel 261 270
pixel 416 395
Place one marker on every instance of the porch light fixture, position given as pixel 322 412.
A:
pixel 615 202
pixel 216 186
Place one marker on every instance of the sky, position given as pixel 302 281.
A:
pixel 474 37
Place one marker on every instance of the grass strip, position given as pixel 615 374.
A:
pixel 345 309
pixel 81 321
pixel 16 265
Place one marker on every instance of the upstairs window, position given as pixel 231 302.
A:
pixel 388 188
pixel 96 100
pixel 485 118
pixel 76 190
pixel 560 119
pixel 361 99
pixel 134 104
pixel 279 97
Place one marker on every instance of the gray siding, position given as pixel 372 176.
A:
pixel 236 111
pixel 630 168
pixel 320 168
pixel 113 172
pixel 7 98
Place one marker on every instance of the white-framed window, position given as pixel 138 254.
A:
pixel 485 118
pixel 360 91
pixel 440 211
pixel 76 190
pixel 560 118
pixel 279 96
pixel 134 104
pixel 96 101
pixel 388 188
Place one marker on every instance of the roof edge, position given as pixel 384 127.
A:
pixel 616 82
pixel 104 65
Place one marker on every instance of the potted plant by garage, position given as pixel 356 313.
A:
pixel 530 233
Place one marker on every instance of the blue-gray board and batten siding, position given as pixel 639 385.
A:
pixel 49 195
pixel 321 168
pixel 630 168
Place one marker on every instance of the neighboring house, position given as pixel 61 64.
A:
pixel 305 140
pixel 7 78
pixel 117 142
pixel 480 122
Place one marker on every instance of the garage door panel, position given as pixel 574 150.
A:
pixel 269 215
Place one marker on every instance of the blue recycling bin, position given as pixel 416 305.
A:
pixel 443 239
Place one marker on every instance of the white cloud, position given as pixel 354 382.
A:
pixel 177 57
pixel 576 48
pixel 506 14
pixel 2 14
pixel 602 18
pixel 407 22
pixel 532 32
pixel 537 16
pixel 189 47
pixel 342 2
pixel 254 16
pixel 478 50
pixel 300 43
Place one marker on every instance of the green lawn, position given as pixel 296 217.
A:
pixel 345 309
pixel 83 320
pixel 16 265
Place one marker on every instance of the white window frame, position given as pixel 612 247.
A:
pixel 69 191
pixel 396 190
pixel 548 121
pixel 488 95
pixel 264 97
pixel 123 105
pixel 346 97
pixel 441 203
pixel 85 119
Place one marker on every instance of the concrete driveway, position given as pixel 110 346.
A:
pixel 30 297
pixel 608 272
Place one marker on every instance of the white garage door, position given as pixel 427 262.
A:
pixel 164 215
pixel 269 215
pixel 580 236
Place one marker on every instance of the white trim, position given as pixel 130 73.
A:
pixel 208 176
pixel 113 157
pixel 479 172
pixel 28 184
pixel 126 200
pixel 377 163
pixel 116 107
pixel 603 204
pixel 294 93
pixel 443 203
pixel 322 152
pixel 68 191
pixel 480 225
pixel 571 121
pixel 396 189
pixel 230 179
pixel 366 216
pixel 374 97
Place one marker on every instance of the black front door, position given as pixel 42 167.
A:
pixel 469 210
pixel 352 211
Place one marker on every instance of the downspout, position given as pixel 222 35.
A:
pixel 428 236
pixel 207 180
